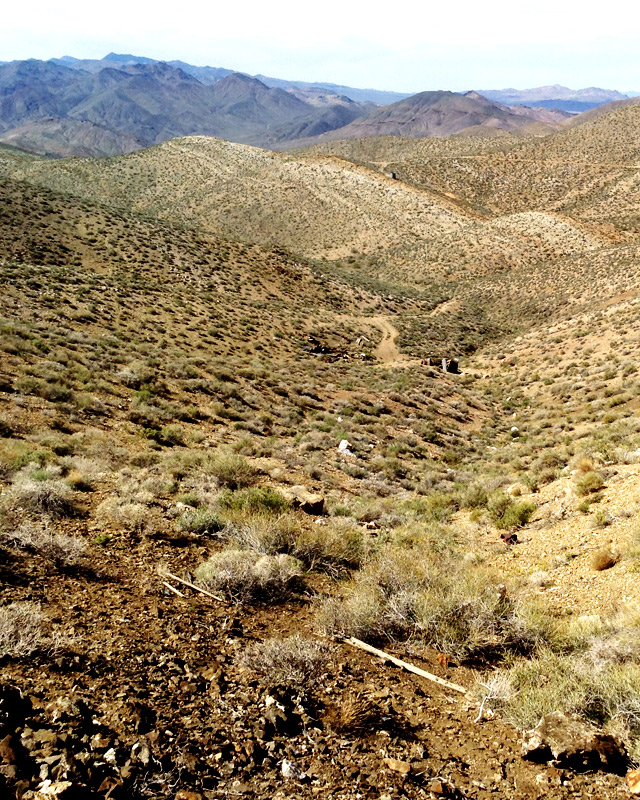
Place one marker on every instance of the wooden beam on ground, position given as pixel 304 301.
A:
pixel 173 589
pixel 193 586
pixel 404 665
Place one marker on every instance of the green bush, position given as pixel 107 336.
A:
pixel 589 483
pixel 232 471
pixel 255 499
pixel 200 521
pixel 475 496
pixel 448 604
pixel 506 513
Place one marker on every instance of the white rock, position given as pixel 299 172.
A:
pixel 289 770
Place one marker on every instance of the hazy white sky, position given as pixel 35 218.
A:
pixel 404 46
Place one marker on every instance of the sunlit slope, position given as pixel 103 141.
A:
pixel 315 205
pixel 589 171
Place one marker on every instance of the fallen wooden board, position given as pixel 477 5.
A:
pixel 193 586
pixel 404 665
pixel 172 588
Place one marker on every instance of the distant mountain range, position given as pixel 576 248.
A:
pixel 121 103
pixel 561 97
pixel 209 75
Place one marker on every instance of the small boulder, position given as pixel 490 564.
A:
pixel 344 448
pixel 633 781
pixel 567 741
pixel 300 497
pixel 394 764
pixel 289 770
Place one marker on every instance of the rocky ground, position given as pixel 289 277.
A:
pixel 149 698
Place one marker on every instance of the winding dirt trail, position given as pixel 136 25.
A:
pixel 387 350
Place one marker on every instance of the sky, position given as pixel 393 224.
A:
pixel 404 46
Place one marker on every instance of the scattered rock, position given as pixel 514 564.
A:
pixel 633 781
pixel 568 741
pixel 300 497
pixel 605 558
pixel 289 770
pixel 53 789
pixel 394 764
pixel 344 448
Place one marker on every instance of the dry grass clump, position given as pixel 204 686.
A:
pixel 293 662
pixel 22 631
pixel 245 576
pixel 595 674
pixel 57 547
pixel 589 482
pixel 452 605
pixel 232 471
pixel 41 491
pixel 356 714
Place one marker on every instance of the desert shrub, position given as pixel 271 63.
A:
pixel 505 512
pixel 14 455
pixel 356 714
pixel 451 605
pixel 293 662
pixel 632 551
pixel 475 496
pixel 437 507
pixel 232 471
pixel 58 547
pixel 331 548
pixel 171 435
pixel 268 535
pixel 22 631
pixel 255 499
pixel 136 375
pixel 200 521
pixel 80 481
pixel 551 682
pixel 40 492
pixel 128 516
pixel 244 576
pixel 589 482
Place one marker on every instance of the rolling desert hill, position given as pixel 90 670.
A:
pixel 57 137
pixel 230 458
pixel 315 205
pixel 587 171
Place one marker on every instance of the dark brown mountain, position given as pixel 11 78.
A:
pixel 446 113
